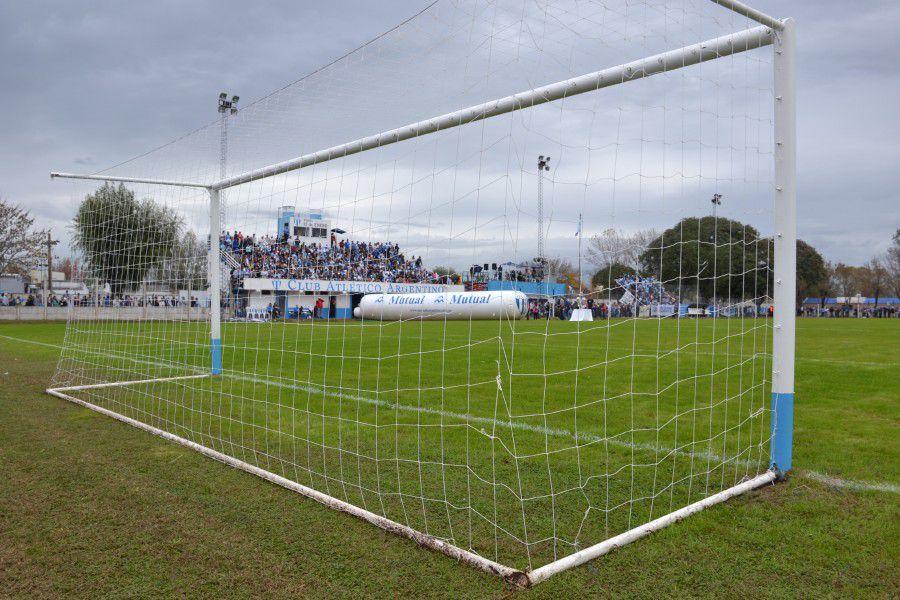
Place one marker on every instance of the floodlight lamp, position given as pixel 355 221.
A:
pixel 235 98
pixel 223 96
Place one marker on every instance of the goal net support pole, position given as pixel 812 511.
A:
pixel 785 216
pixel 215 284
pixel 214 273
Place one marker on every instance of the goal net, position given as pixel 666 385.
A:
pixel 500 280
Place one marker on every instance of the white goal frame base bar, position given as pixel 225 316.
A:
pixel 514 576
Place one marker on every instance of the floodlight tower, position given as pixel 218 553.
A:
pixel 543 165
pixel 226 107
pixel 716 202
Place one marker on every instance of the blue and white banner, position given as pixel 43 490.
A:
pixel 346 287
pixel 662 310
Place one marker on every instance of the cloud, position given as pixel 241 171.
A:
pixel 88 86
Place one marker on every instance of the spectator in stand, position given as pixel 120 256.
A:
pixel 644 291
pixel 342 260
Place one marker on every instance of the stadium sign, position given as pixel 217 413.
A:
pixel 346 287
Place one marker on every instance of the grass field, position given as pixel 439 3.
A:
pixel 413 423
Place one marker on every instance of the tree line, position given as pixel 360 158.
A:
pixel 124 241
pixel 704 258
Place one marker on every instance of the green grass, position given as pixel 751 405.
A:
pixel 93 507
pixel 522 441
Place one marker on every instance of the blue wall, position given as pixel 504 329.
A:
pixel 283 220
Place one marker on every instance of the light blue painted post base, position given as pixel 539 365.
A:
pixel 216 350
pixel 782 431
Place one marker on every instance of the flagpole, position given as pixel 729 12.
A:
pixel 580 280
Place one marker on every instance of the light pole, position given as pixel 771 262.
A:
pixel 543 165
pixel 716 202
pixel 226 107
pixel 580 274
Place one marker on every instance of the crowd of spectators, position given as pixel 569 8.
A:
pixel 107 300
pixel 35 300
pixel 562 307
pixel 24 300
pixel 522 273
pixel 525 276
pixel 850 311
pixel 343 260
pixel 643 291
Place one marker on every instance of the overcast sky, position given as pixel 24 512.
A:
pixel 86 85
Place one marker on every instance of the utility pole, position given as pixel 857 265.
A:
pixel 49 283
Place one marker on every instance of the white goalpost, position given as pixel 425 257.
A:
pixel 375 325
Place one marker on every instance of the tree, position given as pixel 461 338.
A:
pixel 845 279
pixel 711 257
pixel 121 239
pixel 560 267
pixel 69 268
pixel 616 246
pixel 562 270
pixel 21 247
pixel 825 287
pixel 607 276
pixel 873 279
pixel 446 271
pixel 892 265
pixel 186 267
pixel 813 278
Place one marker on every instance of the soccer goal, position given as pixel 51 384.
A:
pixel 514 280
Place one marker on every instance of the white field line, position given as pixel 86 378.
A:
pixel 36 343
pixel 648 351
pixel 850 484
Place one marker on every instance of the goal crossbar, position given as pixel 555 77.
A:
pixel 726 45
pixel 55 174
pixel 751 13
pixel 685 56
